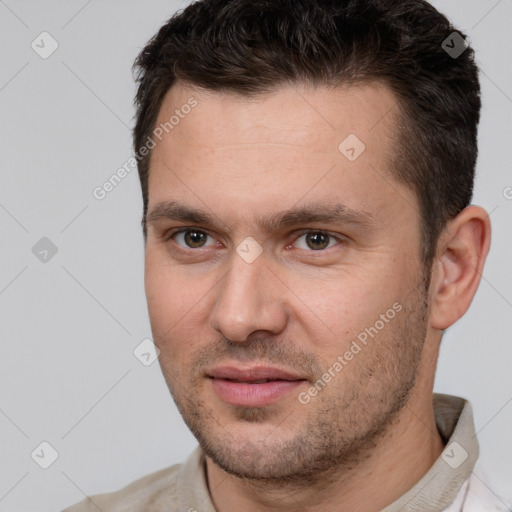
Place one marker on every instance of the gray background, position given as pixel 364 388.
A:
pixel 69 325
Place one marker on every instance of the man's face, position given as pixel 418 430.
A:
pixel 249 328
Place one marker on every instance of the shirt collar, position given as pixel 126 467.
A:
pixel 440 485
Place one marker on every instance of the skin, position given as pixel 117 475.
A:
pixel 370 434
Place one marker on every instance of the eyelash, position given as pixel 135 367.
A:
pixel 169 236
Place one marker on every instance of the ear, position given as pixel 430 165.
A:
pixel 461 252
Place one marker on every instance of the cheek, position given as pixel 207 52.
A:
pixel 334 312
pixel 166 306
pixel 177 306
pixel 169 297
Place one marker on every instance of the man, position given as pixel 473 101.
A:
pixel 307 169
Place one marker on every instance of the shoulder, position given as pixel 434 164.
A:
pixel 152 492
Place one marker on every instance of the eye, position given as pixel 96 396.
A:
pixel 191 238
pixel 315 240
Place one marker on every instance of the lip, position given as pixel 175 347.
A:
pixel 253 373
pixel 239 386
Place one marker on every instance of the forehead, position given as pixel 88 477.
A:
pixel 311 118
pixel 261 154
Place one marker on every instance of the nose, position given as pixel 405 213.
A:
pixel 250 298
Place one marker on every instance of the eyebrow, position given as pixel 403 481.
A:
pixel 312 213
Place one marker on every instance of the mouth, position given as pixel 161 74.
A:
pixel 256 386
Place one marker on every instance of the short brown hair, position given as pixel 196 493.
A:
pixel 252 46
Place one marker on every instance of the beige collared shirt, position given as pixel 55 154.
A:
pixel 448 486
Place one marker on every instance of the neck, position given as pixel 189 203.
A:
pixel 404 454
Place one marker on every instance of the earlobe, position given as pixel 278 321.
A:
pixel 462 249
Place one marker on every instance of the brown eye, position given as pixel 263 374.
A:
pixel 195 239
pixel 317 240
pixel 192 239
